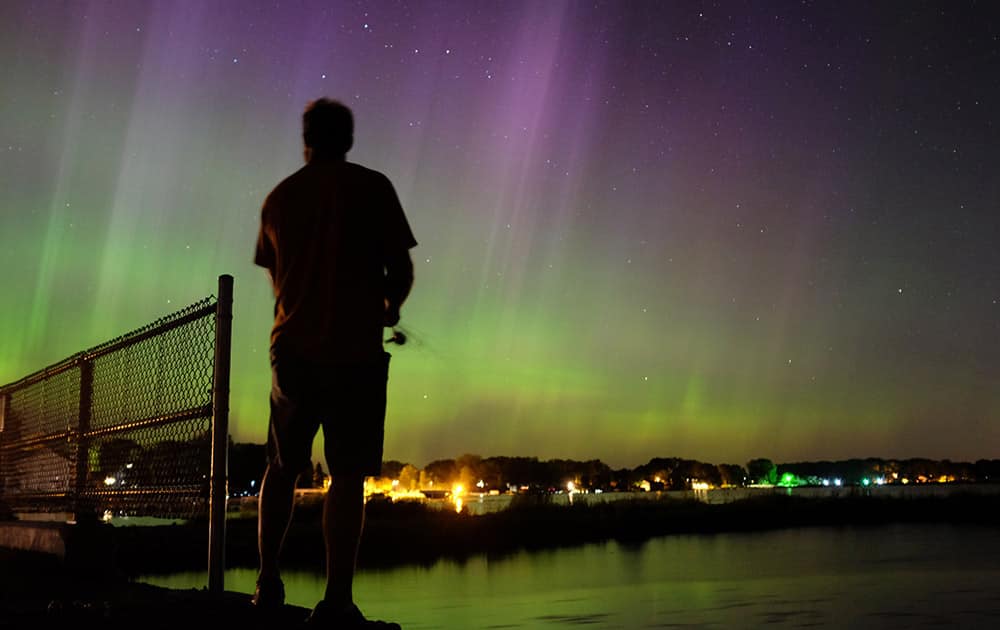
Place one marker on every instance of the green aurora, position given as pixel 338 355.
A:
pixel 631 244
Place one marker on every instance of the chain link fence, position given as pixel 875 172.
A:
pixel 122 429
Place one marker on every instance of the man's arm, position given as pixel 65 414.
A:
pixel 396 244
pixel 398 282
pixel 264 255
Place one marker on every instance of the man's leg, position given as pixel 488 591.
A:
pixel 343 520
pixel 274 513
pixel 289 440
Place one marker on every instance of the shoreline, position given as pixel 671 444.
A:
pixel 413 534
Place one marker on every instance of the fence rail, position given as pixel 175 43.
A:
pixel 126 428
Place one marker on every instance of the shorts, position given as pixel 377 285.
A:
pixel 347 400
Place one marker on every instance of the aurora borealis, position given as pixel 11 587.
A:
pixel 717 230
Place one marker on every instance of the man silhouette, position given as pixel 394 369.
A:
pixel 336 243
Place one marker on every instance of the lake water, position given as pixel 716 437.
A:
pixel 902 576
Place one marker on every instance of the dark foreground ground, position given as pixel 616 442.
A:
pixel 38 591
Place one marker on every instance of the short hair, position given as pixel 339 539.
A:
pixel 328 126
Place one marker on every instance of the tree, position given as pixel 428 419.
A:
pixel 762 470
pixel 319 477
pixel 392 468
pixel 732 474
pixel 113 456
pixel 247 463
pixel 491 473
pixel 519 471
pixel 468 469
pixel 706 473
pixel 442 471
pixel 409 477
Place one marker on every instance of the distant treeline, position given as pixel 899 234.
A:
pixel 247 462
pixel 916 470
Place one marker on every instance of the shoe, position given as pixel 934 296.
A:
pixel 269 594
pixel 324 616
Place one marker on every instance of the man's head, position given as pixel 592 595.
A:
pixel 327 129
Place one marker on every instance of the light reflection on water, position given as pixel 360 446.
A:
pixel 887 577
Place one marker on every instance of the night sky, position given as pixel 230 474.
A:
pixel 710 230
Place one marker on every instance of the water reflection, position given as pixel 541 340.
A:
pixel 889 577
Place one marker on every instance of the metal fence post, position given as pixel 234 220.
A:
pixel 220 437
pixel 80 513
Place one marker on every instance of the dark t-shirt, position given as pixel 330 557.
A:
pixel 325 233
